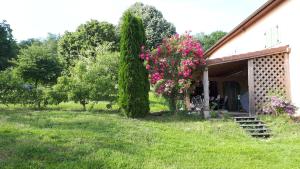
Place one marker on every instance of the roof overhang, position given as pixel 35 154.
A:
pixel 259 13
pixel 247 56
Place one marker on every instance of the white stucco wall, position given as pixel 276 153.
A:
pixel 279 27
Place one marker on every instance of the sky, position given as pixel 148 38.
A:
pixel 37 18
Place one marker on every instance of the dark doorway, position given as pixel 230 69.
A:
pixel 213 89
pixel 232 91
pixel 198 91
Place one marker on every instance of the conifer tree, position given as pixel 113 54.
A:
pixel 133 77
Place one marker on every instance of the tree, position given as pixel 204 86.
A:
pixel 28 42
pixel 208 41
pixel 85 40
pixel 103 76
pixel 37 64
pixel 133 78
pixel 91 79
pixel 156 27
pixel 171 65
pixel 8 47
pixel 69 48
pixel 58 93
pixel 79 89
pixel 50 42
pixel 94 33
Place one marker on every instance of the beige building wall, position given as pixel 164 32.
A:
pixel 279 27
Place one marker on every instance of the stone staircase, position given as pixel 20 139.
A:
pixel 254 126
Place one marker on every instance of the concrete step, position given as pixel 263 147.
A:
pixel 237 114
pixel 265 135
pixel 249 122
pixel 245 118
pixel 253 125
pixel 257 130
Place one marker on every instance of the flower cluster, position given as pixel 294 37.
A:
pixel 171 64
pixel 279 105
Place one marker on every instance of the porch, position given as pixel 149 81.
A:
pixel 241 83
pixel 227 88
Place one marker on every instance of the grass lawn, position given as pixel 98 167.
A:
pixel 105 139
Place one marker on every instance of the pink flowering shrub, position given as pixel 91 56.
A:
pixel 279 105
pixel 171 64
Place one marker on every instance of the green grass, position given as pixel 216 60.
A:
pixel 70 138
pixel 157 104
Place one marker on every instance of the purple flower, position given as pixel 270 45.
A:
pixel 279 105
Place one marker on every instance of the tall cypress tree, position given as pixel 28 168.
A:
pixel 133 77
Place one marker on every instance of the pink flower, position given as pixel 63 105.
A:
pixel 148 67
pixel 142 56
pixel 158 50
pixel 176 58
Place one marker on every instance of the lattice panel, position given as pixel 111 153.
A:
pixel 269 74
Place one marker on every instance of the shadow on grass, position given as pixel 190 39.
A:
pixel 162 116
pixel 156 102
pixel 17 110
pixel 66 145
pixel 23 150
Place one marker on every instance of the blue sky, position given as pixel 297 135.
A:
pixel 35 18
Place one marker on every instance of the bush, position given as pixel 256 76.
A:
pixel 133 78
pixel 10 87
pixel 58 93
pixel 171 66
pixel 14 90
pixel 279 105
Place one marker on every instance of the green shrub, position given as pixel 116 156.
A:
pixel 214 114
pixel 10 87
pixel 13 90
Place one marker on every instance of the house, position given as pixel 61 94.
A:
pixel 260 55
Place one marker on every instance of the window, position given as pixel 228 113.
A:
pixel 272 37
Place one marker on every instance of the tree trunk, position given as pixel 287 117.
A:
pixel 187 100
pixel 39 105
pixel 36 84
pixel 172 104
pixel 83 103
pixel 37 101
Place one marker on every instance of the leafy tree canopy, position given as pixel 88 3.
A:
pixel 9 87
pixel 8 46
pixel 91 79
pixel 208 40
pixel 156 26
pixel 37 64
pixel 50 41
pixel 85 40
pixel 28 42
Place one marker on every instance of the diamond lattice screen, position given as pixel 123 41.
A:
pixel 269 75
